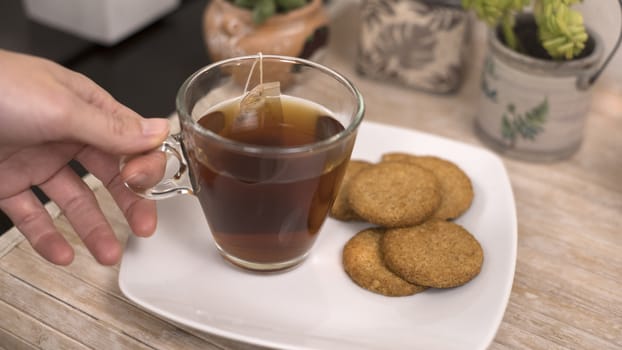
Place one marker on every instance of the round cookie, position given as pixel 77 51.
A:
pixel 393 194
pixel 396 157
pixel 341 209
pixel 456 187
pixel 362 261
pixel 437 254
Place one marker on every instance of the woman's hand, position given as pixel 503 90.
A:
pixel 50 115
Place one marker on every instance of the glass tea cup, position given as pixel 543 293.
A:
pixel 264 176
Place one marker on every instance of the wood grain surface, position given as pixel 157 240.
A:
pixel 567 291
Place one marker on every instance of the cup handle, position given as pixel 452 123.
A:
pixel 176 180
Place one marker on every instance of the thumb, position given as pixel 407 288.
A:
pixel 117 130
pixel 101 121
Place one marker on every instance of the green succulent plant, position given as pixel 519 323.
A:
pixel 560 28
pixel 263 9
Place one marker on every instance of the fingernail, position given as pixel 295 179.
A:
pixel 136 180
pixel 155 127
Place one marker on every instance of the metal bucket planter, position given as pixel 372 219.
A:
pixel 532 108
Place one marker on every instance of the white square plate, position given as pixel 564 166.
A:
pixel 179 274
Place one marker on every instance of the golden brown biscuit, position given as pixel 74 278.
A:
pixel 393 194
pixel 396 157
pixel 362 261
pixel 437 254
pixel 341 209
pixel 456 187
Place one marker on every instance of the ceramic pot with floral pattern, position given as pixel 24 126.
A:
pixel 414 43
pixel 535 108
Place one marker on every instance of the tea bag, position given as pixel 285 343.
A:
pixel 260 107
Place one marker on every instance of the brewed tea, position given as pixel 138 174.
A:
pixel 264 206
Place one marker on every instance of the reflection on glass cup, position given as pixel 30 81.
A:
pixel 265 171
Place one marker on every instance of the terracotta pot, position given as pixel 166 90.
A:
pixel 229 31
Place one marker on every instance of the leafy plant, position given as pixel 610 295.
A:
pixel 264 9
pixel 527 125
pixel 560 28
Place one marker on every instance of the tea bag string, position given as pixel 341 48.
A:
pixel 250 74
pixel 261 106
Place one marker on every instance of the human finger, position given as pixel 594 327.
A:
pixel 80 207
pixel 33 165
pixel 145 170
pixel 118 132
pixel 34 222
pixel 111 125
pixel 140 213
pixel 66 105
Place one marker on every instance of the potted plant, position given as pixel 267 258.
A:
pixel 420 44
pixel 285 27
pixel 536 83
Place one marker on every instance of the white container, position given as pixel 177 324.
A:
pixel 106 22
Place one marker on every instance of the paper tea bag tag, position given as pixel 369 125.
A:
pixel 260 107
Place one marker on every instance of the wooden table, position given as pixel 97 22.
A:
pixel 567 289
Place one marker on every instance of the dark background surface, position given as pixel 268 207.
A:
pixel 143 72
